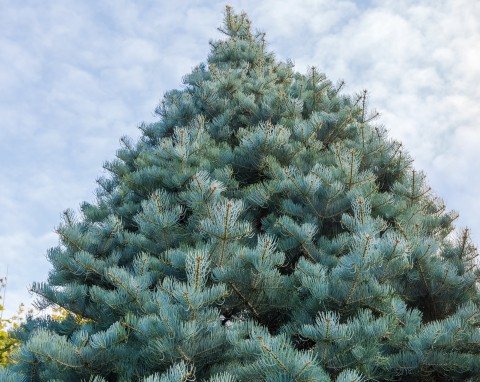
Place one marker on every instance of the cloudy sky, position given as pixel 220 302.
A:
pixel 76 76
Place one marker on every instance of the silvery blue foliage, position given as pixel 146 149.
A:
pixel 263 229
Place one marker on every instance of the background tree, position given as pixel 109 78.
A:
pixel 264 229
pixel 8 344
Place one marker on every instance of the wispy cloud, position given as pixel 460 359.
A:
pixel 76 76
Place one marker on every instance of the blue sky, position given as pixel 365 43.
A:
pixel 76 76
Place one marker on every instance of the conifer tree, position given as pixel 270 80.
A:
pixel 264 229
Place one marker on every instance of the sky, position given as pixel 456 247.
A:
pixel 76 76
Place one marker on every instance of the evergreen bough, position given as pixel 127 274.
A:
pixel 264 229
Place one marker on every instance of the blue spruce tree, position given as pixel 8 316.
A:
pixel 264 229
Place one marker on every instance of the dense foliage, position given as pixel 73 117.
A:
pixel 264 229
